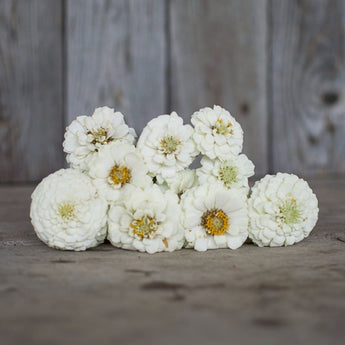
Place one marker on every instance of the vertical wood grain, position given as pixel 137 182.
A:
pixel 116 56
pixel 31 119
pixel 218 56
pixel 308 85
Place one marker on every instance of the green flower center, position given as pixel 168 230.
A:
pixel 144 227
pixel 289 212
pixel 169 144
pixel 66 210
pixel 223 128
pixel 228 175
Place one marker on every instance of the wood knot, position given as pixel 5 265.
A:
pixel 312 140
pixel 330 98
pixel 244 108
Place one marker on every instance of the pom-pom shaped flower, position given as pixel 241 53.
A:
pixel 67 213
pixel 217 134
pixel 232 173
pixel 115 167
pixel 87 134
pixel 147 220
pixel 184 180
pixel 282 210
pixel 167 146
pixel 214 217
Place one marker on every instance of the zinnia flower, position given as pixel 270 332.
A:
pixel 282 210
pixel 184 180
pixel 232 173
pixel 214 217
pixel 67 213
pixel 87 134
pixel 167 146
pixel 115 167
pixel 217 134
pixel 146 220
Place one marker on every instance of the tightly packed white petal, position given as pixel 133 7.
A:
pixel 87 134
pixel 167 146
pixel 183 181
pixel 115 167
pixel 283 210
pixel 214 217
pixel 232 173
pixel 217 134
pixel 67 213
pixel 147 220
pixel 146 198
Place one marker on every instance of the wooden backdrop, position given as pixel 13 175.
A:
pixel 277 65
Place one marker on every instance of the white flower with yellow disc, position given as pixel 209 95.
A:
pixel 283 210
pixel 232 173
pixel 87 134
pixel 214 217
pixel 217 134
pixel 115 167
pixel 167 146
pixel 67 213
pixel 147 220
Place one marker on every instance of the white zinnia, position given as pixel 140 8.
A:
pixel 147 220
pixel 217 134
pixel 232 173
pixel 167 146
pixel 282 210
pixel 67 213
pixel 183 181
pixel 214 217
pixel 87 134
pixel 115 167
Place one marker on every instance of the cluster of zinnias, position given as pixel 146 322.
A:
pixel 145 197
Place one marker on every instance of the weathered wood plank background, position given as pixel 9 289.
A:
pixel 31 89
pixel 277 65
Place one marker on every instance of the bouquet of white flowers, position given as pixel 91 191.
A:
pixel 146 198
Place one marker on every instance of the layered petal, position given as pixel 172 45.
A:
pixel 283 210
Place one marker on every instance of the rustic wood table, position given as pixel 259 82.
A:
pixel 293 295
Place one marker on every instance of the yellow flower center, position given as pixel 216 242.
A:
pixel 216 222
pixel 169 144
pixel 66 210
pixel 144 227
pixel 100 136
pixel 228 175
pixel 223 128
pixel 120 175
pixel 290 212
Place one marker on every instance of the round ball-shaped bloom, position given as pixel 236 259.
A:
pixel 87 134
pixel 167 146
pixel 115 167
pixel 282 210
pixel 67 213
pixel 184 180
pixel 214 217
pixel 217 134
pixel 147 220
pixel 232 173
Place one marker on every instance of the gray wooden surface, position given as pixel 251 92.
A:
pixel 308 85
pixel 292 295
pixel 218 56
pixel 31 100
pixel 116 56
pixel 277 65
